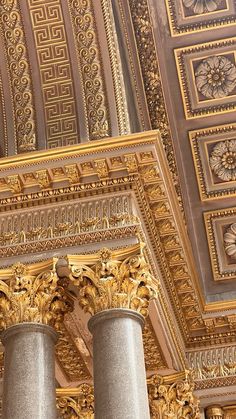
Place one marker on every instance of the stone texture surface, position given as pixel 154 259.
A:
pixel 119 370
pixel 29 376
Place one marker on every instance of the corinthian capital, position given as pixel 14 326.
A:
pixel 114 283
pixel 32 298
pixel 173 397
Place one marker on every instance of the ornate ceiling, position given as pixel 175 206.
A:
pixel 79 71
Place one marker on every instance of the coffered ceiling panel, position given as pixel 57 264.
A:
pixel 187 16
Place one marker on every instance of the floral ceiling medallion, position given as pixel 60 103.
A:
pixel 215 77
pixel 202 6
pixel 223 160
pixel 230 241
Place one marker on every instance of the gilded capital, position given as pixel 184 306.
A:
pixel 32 298
pixel 77 403
pixel 112 283
pixel 172 397
pixel 214 412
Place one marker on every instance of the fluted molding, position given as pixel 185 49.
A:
pixel 32 298
pixel 214 412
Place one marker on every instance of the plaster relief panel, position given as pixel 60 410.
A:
pixel 186 16
pixel 214 155
pixel 207 77
pixel 221 234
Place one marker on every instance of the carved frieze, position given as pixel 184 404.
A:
pixel 143 28
pixel 12 27
pixel 213 363
pixel 39 226
pixel 91 68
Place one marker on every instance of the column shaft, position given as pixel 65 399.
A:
pixel 119 369
pixel 29 377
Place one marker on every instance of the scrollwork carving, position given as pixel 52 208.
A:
pixel 91 68
pixel 17 55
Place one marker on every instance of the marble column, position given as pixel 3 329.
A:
pixel 31 308
pixel 214 412
pixel 116 292
pixel 119 371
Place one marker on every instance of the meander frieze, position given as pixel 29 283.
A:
pixel 55 69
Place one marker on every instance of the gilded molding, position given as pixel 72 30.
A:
pixel 218 225
pixel 76 403
pixel 69 357
pixel 216 100
pixel 199 16
pixel 32 298
pixel 172 399
pixel 91 68
pixel 115 62
pixel 154 357
pixel 112 283
pixel 143 29
pixel 152 188
pixel 4 119
pixel 20 75
pixel 203 143
pixel 54 65
pixel 214 412
pixel 213 363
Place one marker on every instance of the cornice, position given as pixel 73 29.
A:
pixel 136 162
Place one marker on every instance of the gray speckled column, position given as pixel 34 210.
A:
pixel 29 372
pixel 119 369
